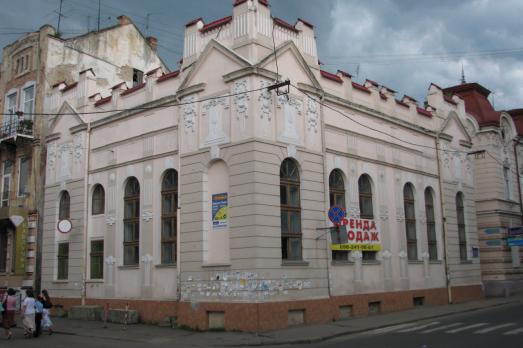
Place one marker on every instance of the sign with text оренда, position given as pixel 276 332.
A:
pixel 220 207
pixel 362 234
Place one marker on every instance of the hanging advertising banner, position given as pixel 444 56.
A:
pixel 362 235
pixel 219 210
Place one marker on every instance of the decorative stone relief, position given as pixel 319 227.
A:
pixel 213 112
pixel 292 107
pixel 65 152
pixel 265 100
pixel 400 214
pixel 110 220
pixel 422 217
pixel 109 277
pixel 189 113
pixel 147 215
pixel 215 152
pixel 445 157
pixel 147 262
pixel 458 174
pixel 384 213
pixel 78 142
pixel 291 151
pixel 241 99
pixel 51 155
pixel 312 115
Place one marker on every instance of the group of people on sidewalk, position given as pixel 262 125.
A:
pixel 33 311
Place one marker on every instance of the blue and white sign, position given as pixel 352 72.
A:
pixel 336 214
pixel 515 241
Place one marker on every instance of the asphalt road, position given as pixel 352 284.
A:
pixel 500 327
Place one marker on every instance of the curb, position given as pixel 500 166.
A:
pixel 358 331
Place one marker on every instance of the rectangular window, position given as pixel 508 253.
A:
pixel 97 259
pixel 10 110
pixel 131 231
pixel 63 261
pixel 28 102
pixel 137 77
pixel 6 182
pixel 23 178
pixel 169 208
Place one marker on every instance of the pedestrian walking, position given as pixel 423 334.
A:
pixel 47 324
pixel 8 315
pixel 39 309
pixel 28 313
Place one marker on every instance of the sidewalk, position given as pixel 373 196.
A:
pixel 296 335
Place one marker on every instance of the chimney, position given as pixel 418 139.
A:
pixel 123 20
pixel 153 42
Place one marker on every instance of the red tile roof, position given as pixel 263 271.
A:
pixel 168 76
pixel 449 100
pixel 86 70
pixel 410 98
pixel 118 85
pixel 476 101
pixel 331 76
pixel 133 89
pixel 193 22
pixel 103 100
pixel 399 102
pixel 284 24
pixel 215 24
pixel 68 87
pixel 346 74
pixel 150 72
pixel 424 112
pixel 372 82
pixel 264 2
pixel 517 117
pixel 306 23
pixel 360 87
pixel 58 84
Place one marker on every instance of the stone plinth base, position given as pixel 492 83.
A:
pixel 118 316
pixel 86 312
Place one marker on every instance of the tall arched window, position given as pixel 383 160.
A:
pixel 366 207
pixel 460 212
pixel 169 218
pixel 131 222
pixel 410 222
pixel 98 203
pixel 337 198
pixel 431 224
pixel 64 210
pixel 290 210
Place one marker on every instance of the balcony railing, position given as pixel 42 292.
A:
pixel 13 128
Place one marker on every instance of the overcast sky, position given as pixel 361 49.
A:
pixel 403 44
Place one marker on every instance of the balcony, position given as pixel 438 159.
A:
pixel 16 127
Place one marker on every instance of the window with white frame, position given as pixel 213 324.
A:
pixel 6 182
pixel 28 98
pixel 23 176
pixel 10 107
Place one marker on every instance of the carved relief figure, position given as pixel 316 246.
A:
pixel 78 142
pixel 189 114
pixel 312 115
pixel 213 109
pixel 265 100
pixel 241 100
pixel 291 109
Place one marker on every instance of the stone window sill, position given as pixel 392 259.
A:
pixel 94 281
pixel 60 281
pixel 342 263
pixel 371 262
pixel 465 262
pixel 415 262
pixel 435 262
pixel 166 265
pixel 217 264
pixel 129 267
pixel 286 263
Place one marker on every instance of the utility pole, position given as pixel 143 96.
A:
pixel 59 16
pixel 99 5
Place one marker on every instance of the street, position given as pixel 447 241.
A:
pixel 496 326
pixel 502 327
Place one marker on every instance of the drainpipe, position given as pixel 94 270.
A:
pixel 516 143
pixel 443 222
pixel 86 211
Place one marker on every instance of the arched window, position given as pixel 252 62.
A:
pixel 410 222
pixel 131 222
pixel 337 198
pixel 431 224
pixel 64 211
pixel 366 207
pixel 169 218
pixel 290 210
pixel 460 212
pixel 98 203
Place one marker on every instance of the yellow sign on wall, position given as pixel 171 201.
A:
pixel 360 247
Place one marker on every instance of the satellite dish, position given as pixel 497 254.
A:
pixel 64 226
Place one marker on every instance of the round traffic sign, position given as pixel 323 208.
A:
pixel 336 215
pixel 64 226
